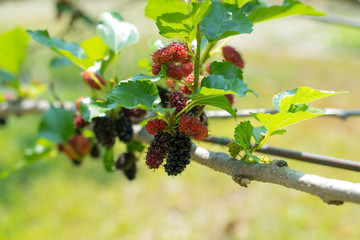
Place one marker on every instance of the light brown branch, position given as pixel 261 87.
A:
pixel 331 191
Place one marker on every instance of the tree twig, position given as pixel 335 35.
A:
pixel 302 156
pixel 331 191
pixel 38 106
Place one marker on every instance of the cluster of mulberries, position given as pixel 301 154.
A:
pixel 178 157
pixel 107 128
pixel 194 127
pixel 233 56
pixel 126 163
pixel 177 59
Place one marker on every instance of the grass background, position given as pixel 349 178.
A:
pixel 52 199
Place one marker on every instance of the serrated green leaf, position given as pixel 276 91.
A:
pixel 181 25
pixel 57 125
pixel 116 33
pixel 13 49
pixel 224 20
pixel 94 48
pixel 90 109
pixel 302 95
pixel 274 122
pixel 134 94
pixel 108 159
pixel 227 77
pixel 72 51
pixel 156 8
pixel 213 97
pixel 243 133
pixel 261 12
pixel 256 133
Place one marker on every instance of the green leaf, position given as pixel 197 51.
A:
pixel 274 122
pixel 72 51
pixel 156 8
pixel 60 62
pixel 57 125
pixel 243 133
pixel 224 20
pixel 139 77
pixel 134 94
pixel 181 25
pixel 302 95
pixel 90 109
pixel 289 8
pixel 6 77
pixel 94 48
pixel 13 49
pixel 135 146
pixel 239 3
pixel 213 97
pixel 227 77
pixel 42 149
pixel 256 133
pixel 116 33
pixel 108 159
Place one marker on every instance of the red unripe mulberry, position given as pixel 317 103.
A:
pixel 233 56
pixel 90 81
pixel 155 126
pixel 77 103
pixel 230 97
pixel 194 127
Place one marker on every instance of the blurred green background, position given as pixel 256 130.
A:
pixel 52 199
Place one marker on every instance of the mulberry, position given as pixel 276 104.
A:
pixel 234 149
pixel 135 112
pixel 123 128
pixel 126 163
pixel 155 125
pixel 194 127
pixel 95 151
pixel 177 100
pixel 174 52
pixel 79 122
pixel 230 97
pixel 88 79
pixel 233 56
pixel 157 150
pixel 175 71
pixel 2 121
pixel 178 154
pixel 104 131
pixel 78 102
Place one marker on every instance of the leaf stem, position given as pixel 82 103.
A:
pixel 206 54
pixel 197 57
